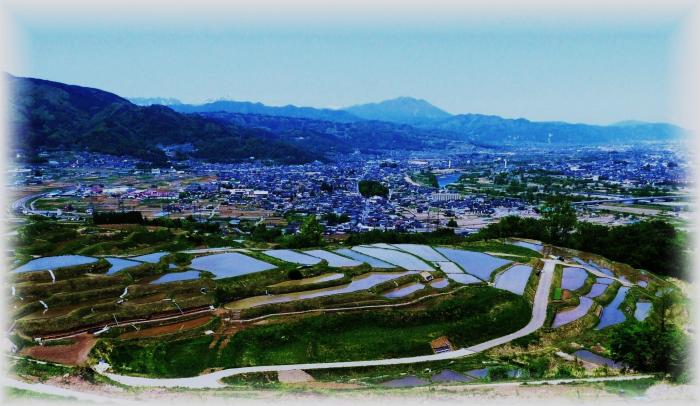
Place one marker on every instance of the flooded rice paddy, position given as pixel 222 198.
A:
pixel 476 263
pixel 151 258
pixel 333 259
pixel 611 313
pixel 596 290
pixel 361 282
pixel 424 252
pixel 176 277
pixel 535 247
pixel 371 261
pixel 596 359
pixel 404 290
pixel 573 278
pixel 463 278
pixel 514 279
pixel 229 265
pixel 570 315
pixel 439 283
pixel 61 261
pixel 395 257
pixel 641 312
pixel 308 281
pixel 293 256
pixel 120 263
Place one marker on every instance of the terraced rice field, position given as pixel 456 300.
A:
pixel 334 260
pixel 464 278
pixel 176 277
pixel 611 313
pixel 371 261
pixel 476 263
pixel 424 252
pixel 571 315
pixel 449 267
pixel 404 290
pixel 229 265
pixel 395 257
pixel 120 263
pixel 439 283
pixel 597 359
pixel 61 261
pixel 361 282
pixel 293 256
pixel 573 278
pixel 596 290
pixel 535 247
pixel 514 279
pixel 641 312
pixel 308 281
pixel 151 258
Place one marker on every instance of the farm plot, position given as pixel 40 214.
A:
pixel 176 277
pixel 594 358
pixel 573 278
pixel 463 278
pixel 120 263
pixel 358 283
pixel 61 261
pixel 371 261
pixel 611 313
pixel 439 283
pixel 151 258
pixel 229 265
pixel 594 266
pixel 308 281
pixel 596 290
pixel 405 290
pixel 475 263
pixel 514 279
pixel 641 311
pixel 425 252
pixel 333 260
pixel 69 354
pixel 535 247
pixel 396 257
pixel 293 256
pixel 449 267
pixel 571 315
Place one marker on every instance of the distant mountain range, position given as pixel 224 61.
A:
pixel 53 115
pixel 477 128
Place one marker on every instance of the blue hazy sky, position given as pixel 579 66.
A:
pixel 580 72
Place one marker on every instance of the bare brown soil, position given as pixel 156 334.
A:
pixel 70 354
pixel 167 329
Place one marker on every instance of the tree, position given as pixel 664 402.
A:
pixel 560 219
pixel 655 345
pixel 369 188
pixel 452 223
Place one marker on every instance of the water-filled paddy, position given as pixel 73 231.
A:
pixel 229 265
pixel 333 259
pixel 439 283
pixel 573 278
pixel 308 281
pixel 176 277
pixel 425 252
pixel 604 281
pixel 46 263
pixel 514 279
pixel 464 278
pixel 535 247
pixel 570 315
pixel 396 257
pixel 641 312
pixel 404 290
pixel 152 258
pixel 596 359
pixel 596 290
pixel 476 263
pixel 293 256
pixel 611 313
pixel 120 263
pixel 371 261
pixel 450 376
pixel 360 282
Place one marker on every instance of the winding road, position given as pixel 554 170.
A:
pixel 212 380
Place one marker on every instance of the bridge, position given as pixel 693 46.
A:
pixel 650 199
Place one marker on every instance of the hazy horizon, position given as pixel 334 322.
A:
pixel 562 66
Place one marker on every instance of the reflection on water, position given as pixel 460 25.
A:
pixel 358 283
pixel 611 313
pixel 404 290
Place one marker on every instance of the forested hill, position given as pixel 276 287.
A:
pixel 53 115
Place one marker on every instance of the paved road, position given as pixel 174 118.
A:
pixel 212 380
pixel 63 392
